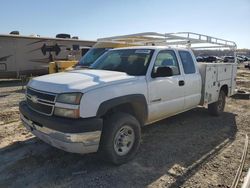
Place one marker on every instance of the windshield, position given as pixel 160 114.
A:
pixel 92 55
pixel 131 61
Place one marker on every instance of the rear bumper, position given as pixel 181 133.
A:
pixel 76 140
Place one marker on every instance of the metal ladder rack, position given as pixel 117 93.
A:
pixel 179 39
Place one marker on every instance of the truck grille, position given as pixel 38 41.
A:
pixel 40 101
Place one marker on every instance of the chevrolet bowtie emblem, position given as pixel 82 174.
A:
pixel 34 99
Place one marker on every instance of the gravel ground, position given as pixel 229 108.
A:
pixel 192 149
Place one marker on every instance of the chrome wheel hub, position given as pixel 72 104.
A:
pixel 124 140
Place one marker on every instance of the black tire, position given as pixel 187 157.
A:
pixel 14 32
pixel 63 36
pixel 111 128
pixel 217 107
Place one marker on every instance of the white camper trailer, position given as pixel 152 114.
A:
pixel 30 55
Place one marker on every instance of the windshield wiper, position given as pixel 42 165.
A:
pixel 82 66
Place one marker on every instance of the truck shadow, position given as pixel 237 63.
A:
pixel 174 148
pixel 10 83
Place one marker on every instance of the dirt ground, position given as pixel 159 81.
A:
pixel 192 149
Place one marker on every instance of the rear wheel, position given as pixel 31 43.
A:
pixel 120 138
pixel 217 107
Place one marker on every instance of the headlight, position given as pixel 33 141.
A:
pixel 70 113
pixel 67 105
pixel 69 98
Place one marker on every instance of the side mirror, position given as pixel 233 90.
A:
pixel 163 72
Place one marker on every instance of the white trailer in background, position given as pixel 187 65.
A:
pixel 30 55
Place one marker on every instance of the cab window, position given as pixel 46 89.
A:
pixel 187 62
pixel 167 58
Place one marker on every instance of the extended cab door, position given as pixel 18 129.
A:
pixel 166 94
pixel 192 79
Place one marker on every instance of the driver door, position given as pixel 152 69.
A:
pixel 166 94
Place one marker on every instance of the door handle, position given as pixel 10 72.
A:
pixel 181 83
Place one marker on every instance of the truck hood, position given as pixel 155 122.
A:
pixel 78 80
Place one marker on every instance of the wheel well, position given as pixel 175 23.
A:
pixel 225 89
pixel 132 109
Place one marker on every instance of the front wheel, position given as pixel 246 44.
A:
pixel 217 107
pixel 120 138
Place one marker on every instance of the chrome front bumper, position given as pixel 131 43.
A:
pixel 86 142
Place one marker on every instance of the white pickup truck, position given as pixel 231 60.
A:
pixel 103 108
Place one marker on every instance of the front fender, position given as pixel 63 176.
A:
pixel 137 101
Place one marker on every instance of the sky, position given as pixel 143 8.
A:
pixel 92 19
